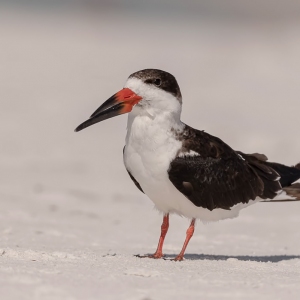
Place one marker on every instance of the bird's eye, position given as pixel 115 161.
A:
pixel 157 82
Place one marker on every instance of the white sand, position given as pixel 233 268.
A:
pixel 71 220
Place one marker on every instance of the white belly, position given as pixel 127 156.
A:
pixel 149 150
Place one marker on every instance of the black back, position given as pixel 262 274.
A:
pixel 219 177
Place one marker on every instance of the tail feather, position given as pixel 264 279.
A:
pixel 288 194
pixel 273 173
pixel 290 189
pixel 293 190
pixel 288 175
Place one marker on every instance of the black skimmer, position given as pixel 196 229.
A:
pixel 184 170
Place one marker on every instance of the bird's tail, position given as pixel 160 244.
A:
pixel 290 191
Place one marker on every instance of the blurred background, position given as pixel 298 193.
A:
pixel 238 66
pixel 237 63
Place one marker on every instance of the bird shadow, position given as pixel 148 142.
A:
pixel 271 258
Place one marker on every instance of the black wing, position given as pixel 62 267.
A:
pixel 132 178
pixel 135 182
pixel 219 177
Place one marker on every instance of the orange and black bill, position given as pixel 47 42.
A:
pixel 118 104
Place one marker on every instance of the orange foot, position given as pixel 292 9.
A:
pixel 178 258
pixel 155 256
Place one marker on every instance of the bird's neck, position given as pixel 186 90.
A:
pixel 155 130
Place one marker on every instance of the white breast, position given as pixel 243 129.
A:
pixel 150 147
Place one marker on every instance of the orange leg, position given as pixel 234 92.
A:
pixel 189 234
pixel 164 229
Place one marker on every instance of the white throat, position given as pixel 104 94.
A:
pixel 151 142
pixel 152 122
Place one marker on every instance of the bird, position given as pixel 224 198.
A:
pixel 183 170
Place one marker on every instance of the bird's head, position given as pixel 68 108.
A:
pixel 148 91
